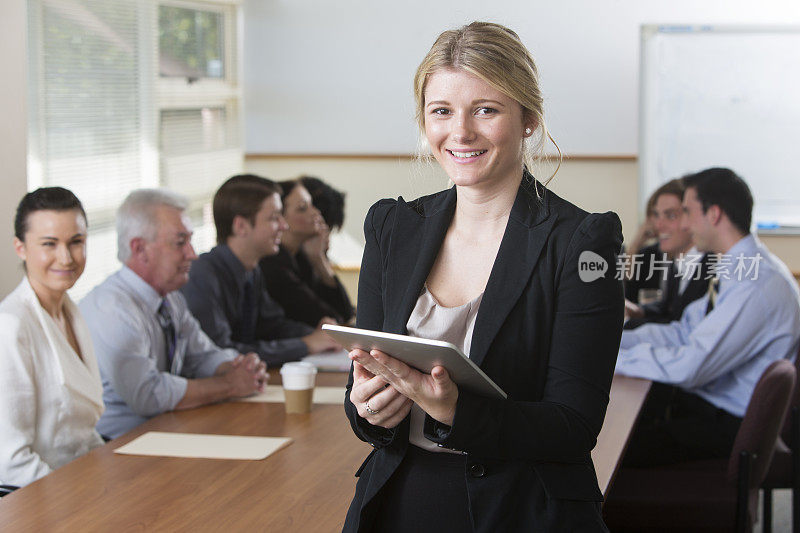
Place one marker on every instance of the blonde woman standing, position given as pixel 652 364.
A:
pixel 491 265
pixel 49 379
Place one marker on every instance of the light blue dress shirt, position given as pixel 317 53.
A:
pixel 131 350
pixel 720 356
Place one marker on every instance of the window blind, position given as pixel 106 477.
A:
pixel 103 120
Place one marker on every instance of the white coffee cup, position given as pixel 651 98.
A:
pixel 298 386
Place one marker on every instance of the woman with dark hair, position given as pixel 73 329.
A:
pixel 300 276
pixel 52 393
pixel 328 201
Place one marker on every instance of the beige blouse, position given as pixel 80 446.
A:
pixel 430 320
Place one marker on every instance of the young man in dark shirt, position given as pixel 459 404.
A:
pixel 226 292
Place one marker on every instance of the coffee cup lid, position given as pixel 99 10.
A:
pixel 300 367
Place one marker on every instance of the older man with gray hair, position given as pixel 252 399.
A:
pixel 152 354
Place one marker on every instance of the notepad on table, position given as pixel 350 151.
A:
pixel 195 445
pixel 274 394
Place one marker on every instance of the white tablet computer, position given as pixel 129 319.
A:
pixel 422 354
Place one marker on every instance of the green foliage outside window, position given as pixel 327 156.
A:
pixel 190 43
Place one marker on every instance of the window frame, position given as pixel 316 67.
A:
pixel 155 94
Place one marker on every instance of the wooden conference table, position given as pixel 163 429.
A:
pixel 306 486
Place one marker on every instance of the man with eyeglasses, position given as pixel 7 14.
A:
pixel 153 355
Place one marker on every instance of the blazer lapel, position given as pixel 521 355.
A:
pixel 420 230
pixel 81 377
pixel 528 228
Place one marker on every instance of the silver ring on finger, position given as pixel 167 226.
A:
pixel 370 410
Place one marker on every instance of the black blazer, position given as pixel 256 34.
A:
pixel 544 336
pixel 291 282
pixel 673 302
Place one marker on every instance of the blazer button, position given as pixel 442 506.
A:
pixel 477 470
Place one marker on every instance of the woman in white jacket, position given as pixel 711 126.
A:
pixel 50 386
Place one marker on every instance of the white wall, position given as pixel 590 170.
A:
pixel 335 77
pixel 13 133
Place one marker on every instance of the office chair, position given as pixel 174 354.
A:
pixel 784 471
pixel 708 495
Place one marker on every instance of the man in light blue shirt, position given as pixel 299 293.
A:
pixel 723 342
pixel 152 354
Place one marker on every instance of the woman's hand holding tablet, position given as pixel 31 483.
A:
pixel 377 403
pixel 435 393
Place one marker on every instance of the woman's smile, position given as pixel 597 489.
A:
pixel 475 131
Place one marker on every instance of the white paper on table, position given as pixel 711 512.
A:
pixel 161 443
pixel 331 361
pixel 274 394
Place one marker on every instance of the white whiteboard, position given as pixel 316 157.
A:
pixel 335 77
pixel 724 96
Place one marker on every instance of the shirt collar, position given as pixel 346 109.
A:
pixel 234 265
pixel 746 246
pixel 231 261
pixel 29 294
pixel 141 288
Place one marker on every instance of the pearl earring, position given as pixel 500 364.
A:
pixel 527 131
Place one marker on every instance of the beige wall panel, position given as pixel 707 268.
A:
pixel 364 180
pixel 592 185
pixel 595 185
pixel 787 247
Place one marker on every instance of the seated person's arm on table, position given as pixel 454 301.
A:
pixel 240 377
pixel 206 304
pixel 273 323
pixel 215 376
pixel 562 426
pixel 273 352
pixel 697 350
pixel 669 334
pixel 289 340
pixel 19 463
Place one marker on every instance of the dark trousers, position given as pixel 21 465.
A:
pixel 676 426
pixel 428 492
